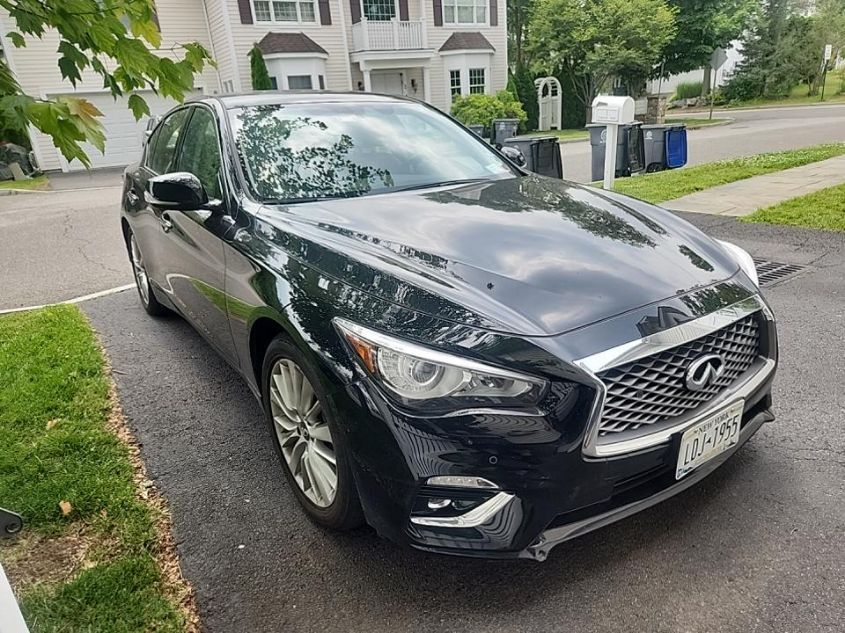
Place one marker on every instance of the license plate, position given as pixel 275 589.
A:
pixel 708 438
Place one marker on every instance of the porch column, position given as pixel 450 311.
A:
pixel 368 85
pixel 426 84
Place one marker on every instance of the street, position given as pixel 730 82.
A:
pixel 59 245
pixel 755 547
pixel 752 132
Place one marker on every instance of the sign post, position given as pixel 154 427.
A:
pixel 717 60
pixel 828 53
pixel 613 112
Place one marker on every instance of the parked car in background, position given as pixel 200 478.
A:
pixel 472 359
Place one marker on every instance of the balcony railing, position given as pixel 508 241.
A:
pixel 388 35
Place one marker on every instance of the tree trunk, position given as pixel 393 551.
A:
pixel 705 83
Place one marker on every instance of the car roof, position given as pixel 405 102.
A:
pixel 304 96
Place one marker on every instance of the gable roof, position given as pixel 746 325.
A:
pixel 274 43
pixel 466 41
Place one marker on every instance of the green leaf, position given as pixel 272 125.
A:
pixel 138 106
pixel 69 70
pixel 16 39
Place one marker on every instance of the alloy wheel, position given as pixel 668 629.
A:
pixel 303 433
pixel 141 278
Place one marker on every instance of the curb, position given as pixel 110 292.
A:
pixel 14 192
pixel 88 297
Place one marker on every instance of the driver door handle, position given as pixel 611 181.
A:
pixel 166 223
pixel 132 197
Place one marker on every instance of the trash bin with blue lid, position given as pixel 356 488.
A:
pixel 665 146
pixel 676 146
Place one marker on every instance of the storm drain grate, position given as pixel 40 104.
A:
pixel 773 272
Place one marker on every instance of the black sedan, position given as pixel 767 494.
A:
pixel 471 359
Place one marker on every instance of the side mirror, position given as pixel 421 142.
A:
pixel 514 155
pixel 177 191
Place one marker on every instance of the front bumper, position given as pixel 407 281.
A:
pixel 545 485
pixel 548 490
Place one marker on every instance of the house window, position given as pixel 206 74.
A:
pixel 455 83
pixel 379 9
pixel 465 11
pixel 322 82
pixel 229 86
pixel 274 83
pixel 477 85
pixel 299 82
pixel 286 11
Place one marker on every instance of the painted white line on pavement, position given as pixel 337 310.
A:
pixel 9 610
pixel 93 295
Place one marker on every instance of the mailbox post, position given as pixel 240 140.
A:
pixel 612 112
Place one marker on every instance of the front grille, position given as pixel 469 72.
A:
pixel 653 389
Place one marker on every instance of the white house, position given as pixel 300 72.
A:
pixel 428 49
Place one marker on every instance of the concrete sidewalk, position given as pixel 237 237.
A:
pixel 746 196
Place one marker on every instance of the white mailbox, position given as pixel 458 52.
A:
pixel 613 112
pixel 618 110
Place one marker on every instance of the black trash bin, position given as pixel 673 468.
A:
pixel 477 129
pixel 665 146
pixel 542 154
pixel 503 129
pixel 630 157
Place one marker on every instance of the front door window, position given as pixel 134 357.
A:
pixel 379 9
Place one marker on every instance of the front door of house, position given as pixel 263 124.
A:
pixel 391 83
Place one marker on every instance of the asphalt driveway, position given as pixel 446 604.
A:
pixel 758 546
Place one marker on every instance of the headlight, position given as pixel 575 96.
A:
pixel 745 261
pixel 420 377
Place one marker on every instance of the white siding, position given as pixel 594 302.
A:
pixel 330 37
pixel 37 68
pixel 436 36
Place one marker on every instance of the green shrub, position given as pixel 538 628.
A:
pixel 258 70
pixel 481 109
pixel 688 90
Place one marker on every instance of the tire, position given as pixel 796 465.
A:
pixel 307 441
pixel 146 291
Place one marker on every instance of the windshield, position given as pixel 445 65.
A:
pixel 302 152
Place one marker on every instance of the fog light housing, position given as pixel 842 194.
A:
pixel 457 501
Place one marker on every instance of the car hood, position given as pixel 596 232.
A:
pixel 528 255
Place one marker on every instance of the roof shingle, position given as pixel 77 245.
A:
pixel 466 41
pixel 274 43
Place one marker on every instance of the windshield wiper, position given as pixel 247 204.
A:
pixel 444 183
pixel 336 196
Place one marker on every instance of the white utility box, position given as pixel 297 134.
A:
pixel 613 112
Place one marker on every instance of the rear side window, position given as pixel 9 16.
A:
pixel 162 147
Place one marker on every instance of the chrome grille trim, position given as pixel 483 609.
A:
pixel 651 390
pixel 656 343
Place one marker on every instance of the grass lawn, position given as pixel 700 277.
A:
pixel 824 209
pixel 667 185
pixel 37 183
pixel 89 557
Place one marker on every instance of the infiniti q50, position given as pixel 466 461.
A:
pixel 470 358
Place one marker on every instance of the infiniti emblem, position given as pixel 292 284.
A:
pixel 704 371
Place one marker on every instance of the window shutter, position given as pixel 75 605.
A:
pixel 494 12
pixel 403 10
pixel 355 6
pixel 325 12
pixel 438 12
pixel 246 11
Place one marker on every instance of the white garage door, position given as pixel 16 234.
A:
pixel 124 135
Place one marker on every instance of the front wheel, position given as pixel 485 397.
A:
pixel 303 422
pixel 142 281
